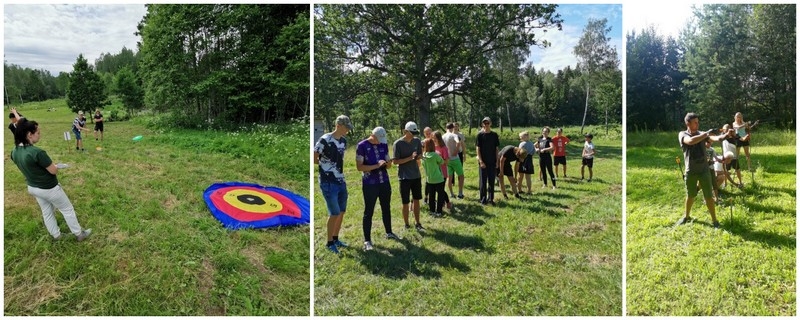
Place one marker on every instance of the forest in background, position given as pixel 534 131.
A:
pixel 385 65
pixel 730 58
pixel 203 66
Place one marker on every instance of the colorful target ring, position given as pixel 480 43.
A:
pixel 245 205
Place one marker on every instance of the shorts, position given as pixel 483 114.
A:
pixel 410 187
pixel 335 195
pixel 740 143
pixel 705 184
pixel 455 167
pixel 508 169
pixel 589 162
pixel 734 164
pixel 98 126
pixel 559 160
pixel 526 166
pixel 77 134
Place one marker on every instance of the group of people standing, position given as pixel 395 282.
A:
pixel 701 160
pixel 441 155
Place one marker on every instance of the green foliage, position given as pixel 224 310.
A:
pixel 127 87
pixel 85 90
pixel 555 252
pixel 598 62
pixel 732 64
pixel 746 268
pixel 155 248
pixel 428 52
pixel 225 62
pixel 26 85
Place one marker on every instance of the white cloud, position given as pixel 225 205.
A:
pixel 668 18
pixel 50 37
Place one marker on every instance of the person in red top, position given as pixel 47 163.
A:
pixel 560 153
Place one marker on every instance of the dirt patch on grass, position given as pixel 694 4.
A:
pixel 30 295
pixel 206 284
pixel 256 258
pixel 170 202
pixel 584 229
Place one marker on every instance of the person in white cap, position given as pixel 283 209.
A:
pixel 329 155
pixel 407 150
pixel 372 159
pixel 77 125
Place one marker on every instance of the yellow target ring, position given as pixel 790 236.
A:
pixel 250 200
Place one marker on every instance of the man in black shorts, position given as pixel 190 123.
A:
pixel 407 150
pixel 98 124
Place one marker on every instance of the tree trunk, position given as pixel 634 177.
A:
pixel 606 120
pixel 585 109
pixel 508 114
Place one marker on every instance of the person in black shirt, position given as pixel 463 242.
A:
pixel 98 124
pixel 14 117
pixel 545 146
pixel 507 155
pixel 487 146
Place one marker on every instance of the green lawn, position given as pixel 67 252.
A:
pixel 156 249
pixel 745 268
pixel 556 252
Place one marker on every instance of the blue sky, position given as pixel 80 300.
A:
pixel 559 55
pixel 50 37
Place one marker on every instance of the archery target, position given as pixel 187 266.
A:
pixel 242 205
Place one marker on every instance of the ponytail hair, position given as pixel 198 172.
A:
pixel 24 126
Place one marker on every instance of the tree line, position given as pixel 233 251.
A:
pixel 217 66
pixel 729 58
pixel 383 65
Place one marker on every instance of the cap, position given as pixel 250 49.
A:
pixel 344 121
pixel 380 133
pixel 588 135
pixel 412 127
pixel 486 119
pixel 80 112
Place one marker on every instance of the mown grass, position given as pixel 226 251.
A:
pixel 156 249
pixel 556 252
pixel 745 268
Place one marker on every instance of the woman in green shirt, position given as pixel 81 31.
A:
pixel 40 175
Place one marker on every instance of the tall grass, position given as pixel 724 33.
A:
pixel 555 252
pixel 156 249
pixel 745 268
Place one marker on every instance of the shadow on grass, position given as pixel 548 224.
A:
pixel 399 263
pixel 743 230
pixel 471 213
pixel 760 193
pixel 536 204
pixel 459 241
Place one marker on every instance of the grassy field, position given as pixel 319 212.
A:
pixel 556 252
pixel 156 249
pixel 747 267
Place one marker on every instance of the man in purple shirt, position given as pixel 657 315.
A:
pixel 372 159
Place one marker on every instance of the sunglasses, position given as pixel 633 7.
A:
pixel 487 122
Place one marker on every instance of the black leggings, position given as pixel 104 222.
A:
pixel 372 193
pixel 546 162
pixel 433 189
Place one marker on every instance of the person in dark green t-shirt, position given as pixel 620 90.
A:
pixel 40 175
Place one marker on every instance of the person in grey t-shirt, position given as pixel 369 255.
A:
pixel 407 150
pixel 694 155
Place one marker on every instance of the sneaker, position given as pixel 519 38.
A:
pixel 683 220
pixel 741 186
pixel 419 227
pixel 590 180
pixel 516 195
pixel 340 244
pixel 438 214
pixel 84 234
pixel 59 237
pixel 332 248
pixel 554 187
pixel 368 246
pixel 452 195
pixel 408 227
pixel 544 186
pixel 491 202
pixel 461 196
pixel 716 224
pixel 392 236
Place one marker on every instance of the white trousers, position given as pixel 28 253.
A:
pixel 51 199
